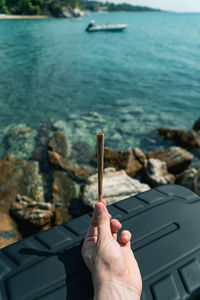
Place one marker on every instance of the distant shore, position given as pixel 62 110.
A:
pixel 3 16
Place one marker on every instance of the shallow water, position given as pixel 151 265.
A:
pixel 126 84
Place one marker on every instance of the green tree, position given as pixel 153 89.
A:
pixel 26 7
pixel 3 7
pixel 55 9
pixel 40 3
pixel 35 7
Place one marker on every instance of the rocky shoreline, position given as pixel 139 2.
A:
pixel 44 182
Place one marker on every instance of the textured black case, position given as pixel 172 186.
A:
pixel 165 227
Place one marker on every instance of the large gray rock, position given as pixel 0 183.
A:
pixel 117 185
pixel 187 177
pixel 72 12
pixel 177 159
pixel 191 179
pixel 32 216
pixel 131 161
pixel 156 173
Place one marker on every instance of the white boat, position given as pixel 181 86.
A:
pixel 110 27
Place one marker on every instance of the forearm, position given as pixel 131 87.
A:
pixel 109 291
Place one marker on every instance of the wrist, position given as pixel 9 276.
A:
pixel 109 290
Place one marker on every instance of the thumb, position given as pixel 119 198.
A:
pixel 103 221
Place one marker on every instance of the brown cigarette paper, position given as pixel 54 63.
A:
pixel 100 159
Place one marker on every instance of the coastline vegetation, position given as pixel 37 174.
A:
pixel 111 7
pixel 36 7
pixel 55 7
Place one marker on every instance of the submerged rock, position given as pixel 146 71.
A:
pixel 61 126
pixel 32 216
pixel 16 176
pixel 58 143
pixel 88 117
pixel 81 153
pixel 20 141
pixel 177 159
pixel 156 173
pixel 57 151
pixel 188 139
pixel 131 161
pixel 42 142
pixel 22 176
pixel 117 185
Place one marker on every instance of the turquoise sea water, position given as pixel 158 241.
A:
pixel 126 84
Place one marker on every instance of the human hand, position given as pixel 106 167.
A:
pixel 112 264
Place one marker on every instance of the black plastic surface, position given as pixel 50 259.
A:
pixel 165 225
